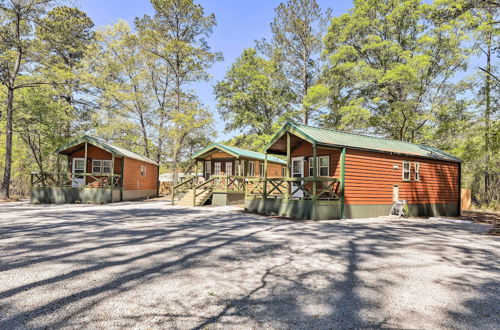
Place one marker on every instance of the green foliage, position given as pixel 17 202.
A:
pixel 253 97
pixel 296 44
pixel 389 60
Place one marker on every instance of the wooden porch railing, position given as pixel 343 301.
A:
pixel 216 183
pixel 69 180
pixel 327 188
pixel 229 183
pixel 183 187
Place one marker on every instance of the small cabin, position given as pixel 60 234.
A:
pixel 96 172
pixel 225 170
pixel 332 175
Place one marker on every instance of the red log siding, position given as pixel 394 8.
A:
pixel 94 152
pixel 305 149
pixel 133 179
pixel 370 178
pixel 274 170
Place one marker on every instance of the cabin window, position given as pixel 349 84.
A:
pixel 323 166
pixel 208 169
pixel 261 170
pixel 217 168
pixel 143 170
pixel 283 171
pixel 229 168
pixel 251 168
pixel 237 168
pixel 416 166
pixel 106 167
pixel 96 166
pixel 406 171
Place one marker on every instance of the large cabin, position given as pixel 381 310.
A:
pixel 332 174
pixel 225 173
pixel 96 172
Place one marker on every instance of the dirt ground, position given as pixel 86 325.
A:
pixel 489 218
pixel 148 265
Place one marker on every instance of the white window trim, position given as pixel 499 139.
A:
pixel 104 166
pixel 99 161
pixel 208 169
pixel 75 161
pixel 143 171
pixel 226 167
pixel 236 168
pixel 318 162
pixel 404 171
pixel 251 168
pixel 217 168
pixel 416 167
pixel 261 170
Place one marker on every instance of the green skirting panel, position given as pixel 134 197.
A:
pixel 297 209
pixel 223 198
pixel 67 195
pixel 326 210
pixel 414 210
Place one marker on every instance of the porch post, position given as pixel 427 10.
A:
pixel 195 172
pixel 315 169
pixel 112 170
pixel 86 151
pixel 58 169
pixel 195 181
pixel 342 184
pixel 287 196
pixel 264 188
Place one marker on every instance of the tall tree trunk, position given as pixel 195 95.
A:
pixel 487 119
pixel 11 87
pixel 144 135
pixel 8 144
pixel 178 110
pixel 306 87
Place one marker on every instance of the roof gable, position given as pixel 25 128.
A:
pixel 238 152
pixel 118 151
pixel 330 137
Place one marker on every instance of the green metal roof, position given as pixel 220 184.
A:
pixel 330 137
pixel 238 152
pixel 118 151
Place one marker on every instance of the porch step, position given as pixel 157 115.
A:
pixel 187 199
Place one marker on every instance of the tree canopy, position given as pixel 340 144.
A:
pixel 411 70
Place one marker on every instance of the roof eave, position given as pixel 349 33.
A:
pixel 290 127
pixel 214 146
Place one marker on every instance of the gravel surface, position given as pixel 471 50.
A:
pixel 150 265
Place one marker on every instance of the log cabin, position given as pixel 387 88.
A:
pixel 225 170
pixel 96 172
pixel 332 175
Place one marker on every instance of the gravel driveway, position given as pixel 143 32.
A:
pixel 150 265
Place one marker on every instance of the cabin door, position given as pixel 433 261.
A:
pixel 208 169
pixel 78 181
pixel 395 193
pixel 297 172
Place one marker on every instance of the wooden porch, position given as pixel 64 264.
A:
pixel 72 180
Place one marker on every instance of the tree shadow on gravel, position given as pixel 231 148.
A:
pixel 307 274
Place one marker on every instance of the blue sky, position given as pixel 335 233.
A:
pixel 239 24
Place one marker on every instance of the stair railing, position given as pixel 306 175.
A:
pixel 182 187
pixel 203 187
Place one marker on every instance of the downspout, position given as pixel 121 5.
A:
pixel 158 180
pixel 342 184
pixel 122 179
pixel 459 211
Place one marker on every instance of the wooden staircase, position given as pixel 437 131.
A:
pixel 187 199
